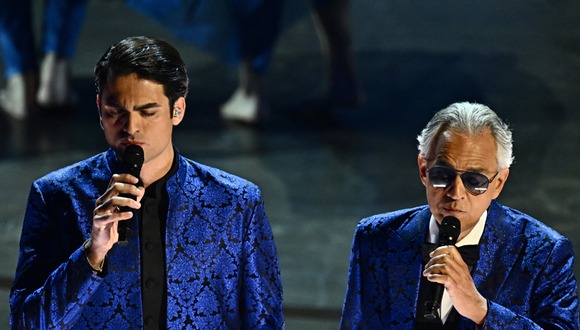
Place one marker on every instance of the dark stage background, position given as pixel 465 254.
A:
pixel 321 174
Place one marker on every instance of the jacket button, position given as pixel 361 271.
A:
pixel 150 283
pixel 149 246
pixel 149 321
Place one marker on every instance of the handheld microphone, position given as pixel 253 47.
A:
pixel 133 161
pixel 448 234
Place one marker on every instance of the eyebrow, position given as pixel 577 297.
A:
pixel 147 106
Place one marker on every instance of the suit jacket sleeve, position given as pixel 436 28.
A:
pixel 352 309
pixel 53 280
pixel 261 287
pixel 553 305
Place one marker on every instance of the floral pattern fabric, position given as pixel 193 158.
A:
pixel 221 260
pixel 525 271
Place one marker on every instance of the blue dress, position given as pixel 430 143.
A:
pixel 221 261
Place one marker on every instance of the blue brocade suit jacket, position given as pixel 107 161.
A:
pixel 525 271
pixel 222 269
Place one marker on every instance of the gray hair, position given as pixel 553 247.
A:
pixel 473 119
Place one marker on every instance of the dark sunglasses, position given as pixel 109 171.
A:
pixel 443 176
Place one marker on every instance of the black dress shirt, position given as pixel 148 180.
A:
pixel 154 206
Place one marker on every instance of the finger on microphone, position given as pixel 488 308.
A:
pixel 448 234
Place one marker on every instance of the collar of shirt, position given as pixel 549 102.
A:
pixel 472 238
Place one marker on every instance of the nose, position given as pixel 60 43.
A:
pixel 456 190
pixel 132 123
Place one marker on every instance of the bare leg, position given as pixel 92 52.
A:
pixel 333 27
pixel 248 102
pixel 62 24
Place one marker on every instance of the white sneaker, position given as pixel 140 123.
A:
pixel 243 108
pixel 18 98
pixel 54 87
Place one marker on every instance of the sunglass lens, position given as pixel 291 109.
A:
pixel 475 182
pixel 441 177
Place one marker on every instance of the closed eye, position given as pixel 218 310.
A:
pixel 113 111
pixel 148 114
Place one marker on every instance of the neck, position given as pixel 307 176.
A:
pixel 464 233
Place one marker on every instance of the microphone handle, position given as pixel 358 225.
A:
pixel 448 234
pixel 123 226
pixel 133 161
pixel 432 307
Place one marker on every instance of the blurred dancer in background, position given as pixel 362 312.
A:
pixel 244 33
pixel 27 85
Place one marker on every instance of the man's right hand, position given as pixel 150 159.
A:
pixel 108 213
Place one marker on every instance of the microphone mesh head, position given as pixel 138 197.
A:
pixel 133 159
pixel 449 230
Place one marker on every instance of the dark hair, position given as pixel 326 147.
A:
pixel 148 58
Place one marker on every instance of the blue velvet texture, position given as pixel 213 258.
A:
pixel 221 261
pixel 525 272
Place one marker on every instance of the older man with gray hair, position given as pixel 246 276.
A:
pixel 464 261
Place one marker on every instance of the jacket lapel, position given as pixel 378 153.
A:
pixel 410 236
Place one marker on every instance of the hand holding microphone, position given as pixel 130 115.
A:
pixel 449 270
pixel 110 209
pixel 448 234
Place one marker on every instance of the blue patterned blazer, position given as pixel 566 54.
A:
pixel 525 272
pixel 221 262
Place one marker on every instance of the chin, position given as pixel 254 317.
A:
pixel 451 213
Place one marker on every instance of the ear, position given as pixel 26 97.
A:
pixel 422 163
pixel 499 182
pixel 98 102
pixel 178 111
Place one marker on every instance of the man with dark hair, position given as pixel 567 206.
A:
pixel 199 251
pixel 507 269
